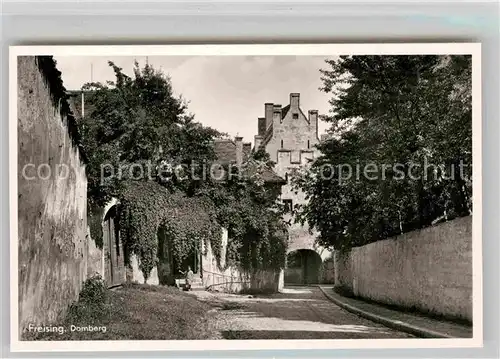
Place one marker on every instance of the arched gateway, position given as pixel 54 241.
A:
pixel 304 261
pixel 119 265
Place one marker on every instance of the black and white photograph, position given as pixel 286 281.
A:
pixel 245 196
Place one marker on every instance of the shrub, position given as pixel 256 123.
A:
pixel 93 301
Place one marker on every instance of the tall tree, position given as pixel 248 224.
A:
pixel 407 121
pixel 138 128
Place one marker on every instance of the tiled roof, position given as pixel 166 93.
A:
pixel 267 136
pixel 270 176
pixel 225 150
pixel 266 173
pixel 284 111
pixel 48 69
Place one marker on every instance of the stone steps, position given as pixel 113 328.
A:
pixel 196 284
pixel 197 288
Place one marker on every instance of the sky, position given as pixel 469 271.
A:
pixel 224 92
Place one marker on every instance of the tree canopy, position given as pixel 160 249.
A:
pixel 138 128
pixel 400 147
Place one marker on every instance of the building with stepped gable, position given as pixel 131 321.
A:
pixel 289 136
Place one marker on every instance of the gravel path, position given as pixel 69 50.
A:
pixel 297 313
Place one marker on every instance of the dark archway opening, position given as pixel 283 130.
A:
pixel 165 259
pixel 303 267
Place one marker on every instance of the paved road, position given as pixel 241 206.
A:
pixel 297 313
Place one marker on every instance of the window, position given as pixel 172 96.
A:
pixel 286 177
pixel 295 116
pixel 288 205
pixel 308 144
pixel 281 143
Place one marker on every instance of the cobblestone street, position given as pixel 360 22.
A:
pixel 297 313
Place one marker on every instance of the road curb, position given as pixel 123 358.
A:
pixel 390 323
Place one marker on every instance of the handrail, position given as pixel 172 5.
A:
pixel 222 280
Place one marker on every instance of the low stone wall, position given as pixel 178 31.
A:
pixel 233 279
pixel 429 270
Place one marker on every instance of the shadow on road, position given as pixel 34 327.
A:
pixel 279 334
pixel 298 313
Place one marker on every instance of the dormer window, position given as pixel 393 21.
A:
pixel 295 116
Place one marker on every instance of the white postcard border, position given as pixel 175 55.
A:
pixel 457 48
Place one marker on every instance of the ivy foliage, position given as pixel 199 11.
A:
pixel 94 222
pixel 247 205
pixel 146 206
pixel 136 128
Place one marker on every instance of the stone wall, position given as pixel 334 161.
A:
pixel 52 196
pixel 429 270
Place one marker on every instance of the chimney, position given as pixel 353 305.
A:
pixel 313 118
pixel 277 114
pixel 261 130
pixel 294 100
pixel 257 142
pixel 239 151
pixel 247 148
pixel 269 114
